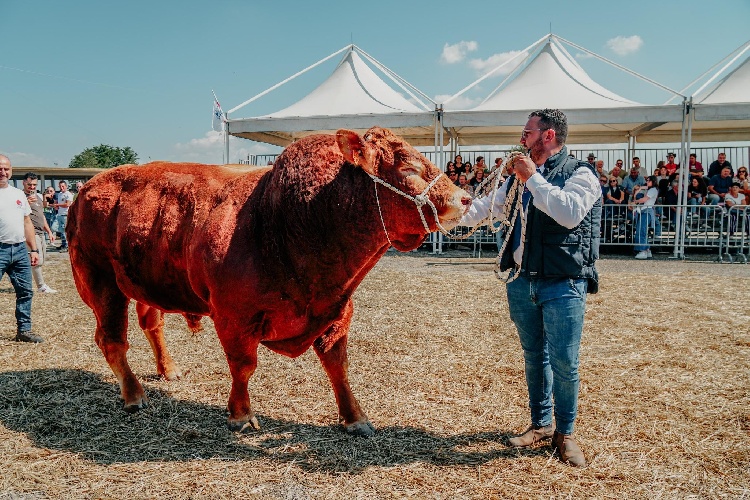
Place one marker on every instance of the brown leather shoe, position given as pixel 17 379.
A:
pixel 532 435
pixel 28 337
pixel 568 449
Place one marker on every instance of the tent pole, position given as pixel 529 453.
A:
pixel 687 152
pixel 684 165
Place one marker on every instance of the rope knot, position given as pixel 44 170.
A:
pixel 420 200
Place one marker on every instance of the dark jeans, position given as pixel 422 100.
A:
pixel 14 260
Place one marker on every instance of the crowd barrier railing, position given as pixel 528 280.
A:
pixel 670 227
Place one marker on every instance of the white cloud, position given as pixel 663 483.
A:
pixel 460 102
pixel 482 66
pixel 19 159
pixel 583 55
pixel 457 52
pixel 210 149
pixel 624 45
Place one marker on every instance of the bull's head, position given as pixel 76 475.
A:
pixel 390 159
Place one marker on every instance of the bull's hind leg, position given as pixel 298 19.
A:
pixel 98 289
pixel 151 321
pixel 336 364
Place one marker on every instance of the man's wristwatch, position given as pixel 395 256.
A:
pixel 33 250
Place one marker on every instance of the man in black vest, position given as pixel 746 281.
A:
pixel 552 270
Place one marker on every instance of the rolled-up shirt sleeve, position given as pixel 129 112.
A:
pixel 569 205
pixel 480 207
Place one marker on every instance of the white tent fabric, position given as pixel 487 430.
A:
pixel 353 97
pixel 551 78
pixel 722 112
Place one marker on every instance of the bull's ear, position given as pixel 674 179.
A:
pixel 355 150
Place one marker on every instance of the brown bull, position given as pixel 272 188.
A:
pixel 272 255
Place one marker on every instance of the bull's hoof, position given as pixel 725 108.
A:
pixel 173 374
pixel 361 429
pixel 136 405
pixel 243 425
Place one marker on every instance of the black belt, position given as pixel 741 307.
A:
pixel 9 245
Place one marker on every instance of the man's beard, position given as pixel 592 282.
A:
pixel 536 151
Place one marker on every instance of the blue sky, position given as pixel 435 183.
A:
pixel 140 73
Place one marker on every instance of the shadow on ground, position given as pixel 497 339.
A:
pixel 78 412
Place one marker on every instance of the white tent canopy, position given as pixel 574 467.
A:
pixel 550 77
pixel 722 111
pixel 353 97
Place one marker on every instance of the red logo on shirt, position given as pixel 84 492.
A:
pixel 18 202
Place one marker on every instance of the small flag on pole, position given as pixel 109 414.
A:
pixel 219 118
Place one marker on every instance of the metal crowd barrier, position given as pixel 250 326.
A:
pixel 703 227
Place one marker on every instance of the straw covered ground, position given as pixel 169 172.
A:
pixel 664 405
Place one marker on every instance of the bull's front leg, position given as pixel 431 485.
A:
pixel 242 355
pixel 336 364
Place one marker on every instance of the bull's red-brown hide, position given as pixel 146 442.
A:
pixel 272 255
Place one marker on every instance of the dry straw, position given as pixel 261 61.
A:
pixel 664 408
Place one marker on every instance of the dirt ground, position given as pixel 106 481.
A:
pixel 664 406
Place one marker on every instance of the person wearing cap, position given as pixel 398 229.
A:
pixel 591 158
pixel 18 251
pixel 672 167
pixel 735 198
pixel 716 167
pixel 552 266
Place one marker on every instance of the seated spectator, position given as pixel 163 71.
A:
pixel 618 172
pixel 453 176
pixel 744 181
pixel 600 168
pixel 498 163
pixel 662 179
pixel 672 167
pixel 450 167
pixel 693 164
pixel 468 170
pixel 719 185
pixel 716 167
pixel 671 198
pixel 603 185
pixel 463 183
pixel 479 165
pixel 614 198
pixel 696 194
pixel 477 179
pixel 634 179
pixel 735 199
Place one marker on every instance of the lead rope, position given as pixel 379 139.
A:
pixel 422 199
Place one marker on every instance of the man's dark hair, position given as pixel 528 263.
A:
pixel 554 119
pixel 635 158
pixel 30 176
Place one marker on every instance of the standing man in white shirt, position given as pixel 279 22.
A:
pixel 553 269
pixel 30 182
pixel 18 250
pixel 64 200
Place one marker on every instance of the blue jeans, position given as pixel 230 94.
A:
pixel 14 260
pixel 548 314
pixel 62 221
pixel 643 221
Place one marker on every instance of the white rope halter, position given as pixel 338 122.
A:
pixel 419 200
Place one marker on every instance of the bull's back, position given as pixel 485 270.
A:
pixel 142 224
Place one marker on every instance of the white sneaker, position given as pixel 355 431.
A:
pixel 643 255
pixel 649 254
pixel 46 289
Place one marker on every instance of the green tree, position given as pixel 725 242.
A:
pixel 104 156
